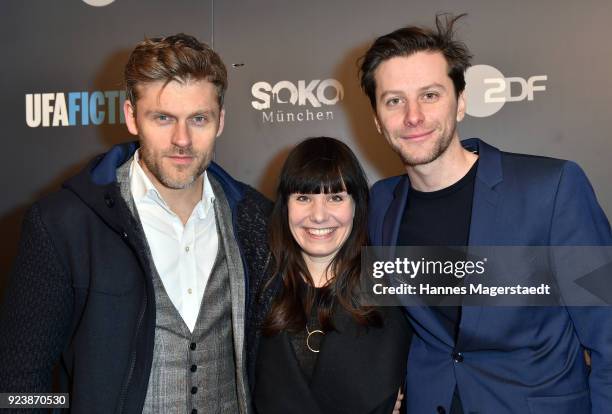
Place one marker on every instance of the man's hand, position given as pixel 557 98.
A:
pixel 398 402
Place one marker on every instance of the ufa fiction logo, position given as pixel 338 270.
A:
pixel 300 101
pixel 487 90
pixel 57 109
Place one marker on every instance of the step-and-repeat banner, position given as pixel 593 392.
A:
pixel 293 74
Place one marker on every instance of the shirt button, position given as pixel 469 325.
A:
pixel 194 368
pixel 189 291
pixel 458 356
pixel 187 249
pixel 192 346
pixel 194 390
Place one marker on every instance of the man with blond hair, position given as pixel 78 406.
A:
pixel 133 277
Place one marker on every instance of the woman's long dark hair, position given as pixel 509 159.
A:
pixel 317 165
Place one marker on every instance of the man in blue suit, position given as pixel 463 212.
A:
pixel 473 359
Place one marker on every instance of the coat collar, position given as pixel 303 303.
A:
pixel 98 188
pixel 489 161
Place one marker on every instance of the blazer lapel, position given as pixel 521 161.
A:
pixel 483 221
pixel 390 233
pixel 393 217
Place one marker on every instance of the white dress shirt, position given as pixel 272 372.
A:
pixel 183 255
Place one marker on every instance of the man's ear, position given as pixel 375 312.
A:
pixel 129 112
pixel 460 107
pixel 221 122
pixel 377 123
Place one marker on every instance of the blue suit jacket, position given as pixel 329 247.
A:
pixel 515 359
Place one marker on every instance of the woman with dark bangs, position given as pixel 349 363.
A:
pixel 313 348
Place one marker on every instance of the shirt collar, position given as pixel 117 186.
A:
pixel 143 189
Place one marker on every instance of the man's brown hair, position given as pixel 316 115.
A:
pixel 413 39
pixel 180 57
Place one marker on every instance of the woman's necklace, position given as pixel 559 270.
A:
pixel 310 333
pixel 313 332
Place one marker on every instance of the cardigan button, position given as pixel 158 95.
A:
pixel 110 201
pixel 192 346
pixel 194 390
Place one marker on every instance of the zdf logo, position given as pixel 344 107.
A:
pixel 315 93
pixel 487 90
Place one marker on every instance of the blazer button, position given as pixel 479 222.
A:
pixel 440 409
pixel 458 356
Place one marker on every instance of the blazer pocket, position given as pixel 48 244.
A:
pixel 576 403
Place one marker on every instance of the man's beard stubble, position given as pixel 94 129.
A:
pixel 441 145
pixel 156 169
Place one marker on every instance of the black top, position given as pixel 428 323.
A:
pixel 441 218
pixel 358 370
pixel 306 357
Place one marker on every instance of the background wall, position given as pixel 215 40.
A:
pixel 548 64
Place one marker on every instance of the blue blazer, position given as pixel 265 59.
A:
pixel 512 359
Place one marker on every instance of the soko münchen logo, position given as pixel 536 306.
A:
pixel 487 89
pixel 300 101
